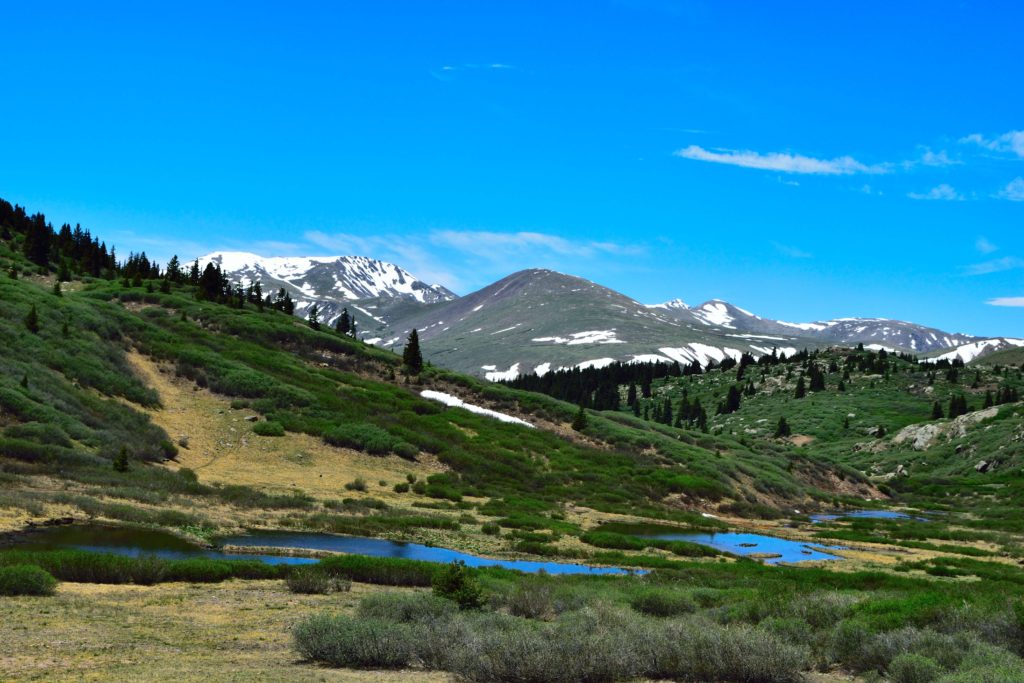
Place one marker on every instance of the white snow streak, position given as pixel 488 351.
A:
pixel 455 402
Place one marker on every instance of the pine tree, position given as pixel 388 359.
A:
pixel 989 401
pixel 631 394
pixel 121 461
pixel 412 358
pixel 56 288
pixel 24 381
pixel 579 422
pixel 937 411
pixel 32 320
pixel 801 389
pixel 353 330
pixel 782 429
pixel 342 325
pixel 314 317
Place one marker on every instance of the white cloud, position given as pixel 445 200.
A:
pixel 940 158
pixel 781 161
pixel 496 244
pixel 1014 190
pixel 1012 141
pixel 984 246
pixel 792 252
pixel 941 192
pixel 995 266
pixel 1014 301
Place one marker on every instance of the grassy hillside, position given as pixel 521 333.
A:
pixel 342 440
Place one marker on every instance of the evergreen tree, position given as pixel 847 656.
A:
pixel 782 429
pixel 24 381
pixel 353 330
pixel 121 461
pixel 342 326
pixel 56 288
pixel 579 422
pixel 989 401
pixel 412 358
pixel 12 272
pixel 801 389
pixel 32 320
pixel 937 411
pixel 631 394
pixel 314 317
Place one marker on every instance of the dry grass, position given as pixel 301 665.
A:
pixel 222 447
pixel 235 631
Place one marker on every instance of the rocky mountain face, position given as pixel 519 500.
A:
pixel 537 320
pixel 877 332
pixel 332 282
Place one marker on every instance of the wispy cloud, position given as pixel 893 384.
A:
pixel 499 244
pixel 409 253
pixel 781 161
pixel 790 251
pixel 1014 301
pixel 941 192
pixel 995 266
pixel 448 71
pixel 1012 142
pixel 1014 190
pixel 984 246
pixel 937 159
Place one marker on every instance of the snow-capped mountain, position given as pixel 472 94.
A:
pixel 880 332
pixel 978 349
pixel 331 282
pixel 539 320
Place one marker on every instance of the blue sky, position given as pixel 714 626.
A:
pixel 802 160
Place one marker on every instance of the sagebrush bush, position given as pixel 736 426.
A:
pixel 662 603
pixel 314 580
pixel 405 607
pixel 357 643
pixel 531 600
pixel 26 579
pixel 911 668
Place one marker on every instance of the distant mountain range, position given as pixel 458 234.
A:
pixel 537 320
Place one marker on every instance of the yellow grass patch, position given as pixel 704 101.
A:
pixel 222 448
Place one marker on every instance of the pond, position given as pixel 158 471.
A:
pixel 774 549
pixel 134 542
pixel 866 514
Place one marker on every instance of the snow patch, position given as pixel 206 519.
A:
pixel 496 375
pixel 588 337
pixel 455 402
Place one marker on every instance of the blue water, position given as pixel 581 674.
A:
pixel 866 514
pixel 135 542
pixel 789 551
pixel 377 547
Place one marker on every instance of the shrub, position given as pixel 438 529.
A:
pixel 358 643
pixel 268 429
pixel 402 487
pixel 531 599
pixel 388 571
pixel 314 580
pixel 662 603
pixel 490 529
pixel 362 437
pixel 357 484
pixel 405 607
pixel 456 582
pixel 26 579
pixel 911 668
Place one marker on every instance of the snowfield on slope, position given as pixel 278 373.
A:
pixel 969 352
pixel 587 337
pixel 455 402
